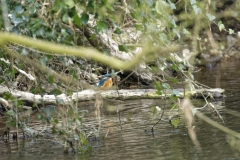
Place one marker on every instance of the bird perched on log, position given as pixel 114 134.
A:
pixel 106 81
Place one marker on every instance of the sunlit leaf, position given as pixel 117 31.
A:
pixel 174 80
pixel 231 31
pixel 155 110
pixel 172 5
pixel 174 106
pixel 138 26
pixel 174 67
pixel 173 22
pixel 194 111
pixel 159 92
pixel 43 60
pixel 24 52
pixel 110 7
pixel 186 32
pixel 193 2
pixel 175 92
pixel 196 9
pixel 165 85
pixel 210 17
pixel 175 122
pixel 70 3
pixel 221 25
pixel 162 7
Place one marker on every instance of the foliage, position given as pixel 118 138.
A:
pixel 162 23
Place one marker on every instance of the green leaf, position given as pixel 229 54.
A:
pixel 73 72
pixel 49 111
pixel 84 19
pixel 102 26
pixel 118 31
pixel 210 17
pixel 77 20
pixel 83 139
pixel 110 8
pixel 17 103
pixel 165 85
pixel 231 31
pixel 1 80
pixel 7 96
pixel 193 2
pixel 238 33
pixel 196 9
pixel 51 79
pixel 172 21
pixel 175 122
pixel 56 92
pixel 159 92
pixel 172 79
pixel 93 37
pixel 11 113
pixel 104 2
pixel 55 120
pixel 43 60
pixel 221 25
pixel 174 67
pixel 175 92
pixel 138 26
pixel 19 9
pixel 122 48
pixel 162 7
pixel 70 3
pixel 176 32
pixel 172 5
pixel 79 121
pixel 24 52
pixel 158 86
pixel 186 32
pixel 134 15
pixel 39 116
pixel 65 18
pixel 155 110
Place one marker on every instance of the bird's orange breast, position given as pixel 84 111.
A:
pixel 108 83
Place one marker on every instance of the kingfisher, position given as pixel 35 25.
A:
pixel 106 81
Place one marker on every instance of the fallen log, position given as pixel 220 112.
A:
pixel 122 94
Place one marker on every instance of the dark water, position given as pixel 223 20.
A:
pixel 128 137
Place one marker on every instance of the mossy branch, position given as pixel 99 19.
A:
pixel 88 53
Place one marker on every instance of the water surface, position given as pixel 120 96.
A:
pixel 128 135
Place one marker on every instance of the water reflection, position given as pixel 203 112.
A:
pixel 125 128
